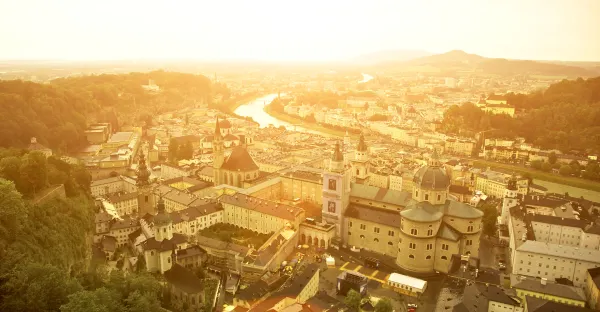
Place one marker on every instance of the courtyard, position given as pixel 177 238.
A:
pixel 233 234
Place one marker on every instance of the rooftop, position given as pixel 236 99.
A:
pixel 264 206
pixel 558 221
pixel 554 289
pixel 378 194
pixel 377 215
pixel 562 251
pixel 184 280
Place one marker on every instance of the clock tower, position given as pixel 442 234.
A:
pixel 336 190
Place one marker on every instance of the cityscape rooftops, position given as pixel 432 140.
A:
pixel 264 206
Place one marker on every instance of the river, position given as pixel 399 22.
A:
pixel 256 110
pixel 366 78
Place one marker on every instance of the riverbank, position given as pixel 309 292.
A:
pixel 230 105
pixel 304 124
pixel 540 175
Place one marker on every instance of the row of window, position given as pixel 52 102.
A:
pixel 375 229
pixel 375 239
pixel 427 257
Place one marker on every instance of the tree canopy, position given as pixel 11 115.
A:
pixel 58 113
pixel 566 116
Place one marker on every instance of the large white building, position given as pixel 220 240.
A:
pixel 552 261
pixel 565 231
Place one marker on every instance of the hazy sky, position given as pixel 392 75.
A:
pixel 296 29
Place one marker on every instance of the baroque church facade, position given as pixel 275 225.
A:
pixel 423 237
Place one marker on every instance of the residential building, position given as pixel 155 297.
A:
pixel 112 185
pixel 491 298
pixel 126 204
pixel 552 261
pixel 303 184
pixel 543 289
pixel 493 183
pixel 592 284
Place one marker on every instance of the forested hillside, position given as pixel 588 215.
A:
pixel 57 113
pixel 45 250
pixel 566 116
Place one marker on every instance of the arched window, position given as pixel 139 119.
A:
pixel 439 197
pixel 444 258
pixel 411 256
pixel 362 236
pixel 390 243
pixel 376 240
pixel 426 196
pixel 429 232
pixel 428 258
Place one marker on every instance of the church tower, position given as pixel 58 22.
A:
pixel 509 200
pixel 145 195
pixel 163 225
pixel 218 154
pixel 360 163
pixel 336 190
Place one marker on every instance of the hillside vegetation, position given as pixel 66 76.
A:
pixel 57 113
pixel 45 249
pixel 566 116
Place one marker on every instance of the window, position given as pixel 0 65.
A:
pixel 428 258
pixel 390 243
pixel 429 232
pixel 439 197
pixel 445 246
pixel 426 196
pixel 390 233
pixel 362 236
pixel 411 256
pixel 349 233
pixel 168 259
pixel 444 258
pixel 376 240
pixel 469 242
pixel 413 231
pixel 412 245
pixel 350 224
pixel 416 193
pixel 429 246
pixel 470 228
pixel 376 229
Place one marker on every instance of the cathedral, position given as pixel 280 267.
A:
pixel 424 230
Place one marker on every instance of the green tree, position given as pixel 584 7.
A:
pixel 592 170
pixel 565 170
pixel 138 302
pixel 536 164
pixel 490 217
pixel 173 151
pixel 546 167
pixel 10 168
pixel 37 287
pixel 552 158
pixel 99 300
pixel 352 300
pixel 186 151
pixel 34 174
pixel 384 305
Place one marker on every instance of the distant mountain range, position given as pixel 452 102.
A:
pixel 389 56
pixel 459 61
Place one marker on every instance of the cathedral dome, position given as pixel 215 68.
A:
pixel 433 176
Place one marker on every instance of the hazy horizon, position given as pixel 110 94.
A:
pixel 310 31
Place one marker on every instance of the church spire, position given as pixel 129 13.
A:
pixel 143 174
pixel 217 127
pixel 362 146
pixel 337 153
pixel 434 160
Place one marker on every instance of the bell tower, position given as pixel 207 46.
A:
pixel 360 163
pixel 218 154
pixel 336 190
pixel 145 195
pixel 510 199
